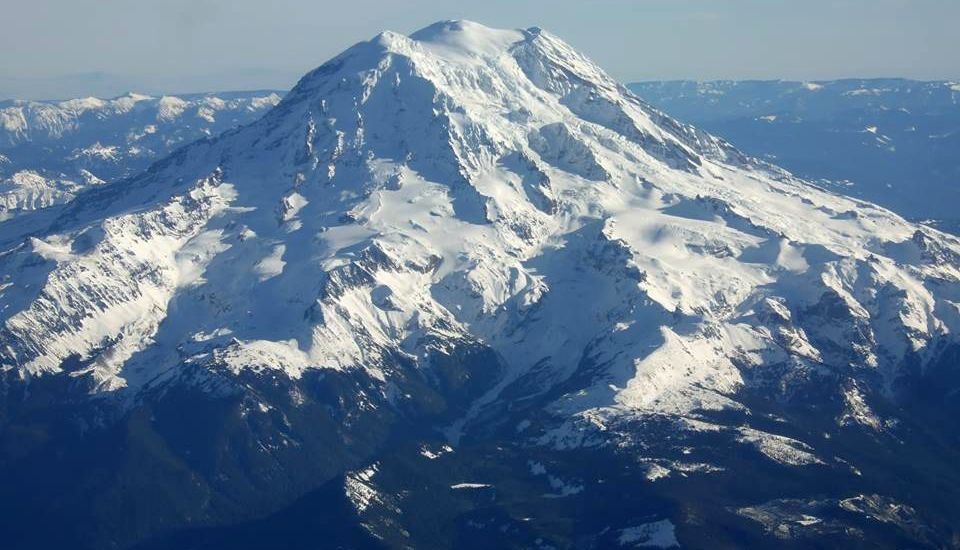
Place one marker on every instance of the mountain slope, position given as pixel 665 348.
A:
pixel 467 267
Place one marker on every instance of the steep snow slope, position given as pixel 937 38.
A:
pixel 49 151
pixel 468 188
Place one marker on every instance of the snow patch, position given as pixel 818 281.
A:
pixel 658 534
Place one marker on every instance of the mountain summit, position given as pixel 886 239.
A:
pixel 467 267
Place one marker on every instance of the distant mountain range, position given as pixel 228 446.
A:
pixel 895 142
pixel 107 84
pixel 51 150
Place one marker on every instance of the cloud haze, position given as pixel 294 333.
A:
pixel 184 45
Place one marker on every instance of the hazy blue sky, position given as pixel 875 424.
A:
pixel 184 44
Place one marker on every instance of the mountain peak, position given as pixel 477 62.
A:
pixel 506 147
pixel 467 37
pixel 445 184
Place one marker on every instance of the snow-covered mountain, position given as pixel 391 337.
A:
pixel 51 150
pixel 889 141
pixel 463 289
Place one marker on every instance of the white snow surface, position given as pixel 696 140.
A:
pixel 471 184
pixel 658 534
pixel 459 486
pixel 361 490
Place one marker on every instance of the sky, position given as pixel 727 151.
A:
pixel 60 48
